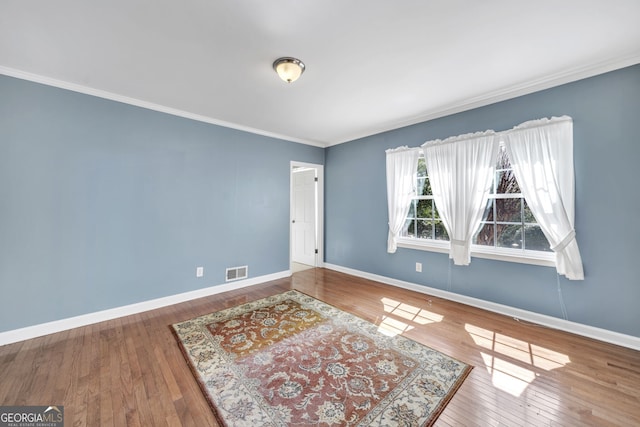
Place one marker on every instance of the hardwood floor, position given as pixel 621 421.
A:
pixel 129 371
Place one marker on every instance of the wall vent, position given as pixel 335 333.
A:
pixel 237 273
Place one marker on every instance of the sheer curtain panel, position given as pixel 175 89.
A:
pixel 541 153
pixel 460 170
pixel 402 164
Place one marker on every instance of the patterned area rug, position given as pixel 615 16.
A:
pixel 292 360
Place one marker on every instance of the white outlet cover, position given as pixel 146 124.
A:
pixel 199 271
pixel 419 267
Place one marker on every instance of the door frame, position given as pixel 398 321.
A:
pixel 319 210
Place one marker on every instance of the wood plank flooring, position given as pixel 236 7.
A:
pixel 130 372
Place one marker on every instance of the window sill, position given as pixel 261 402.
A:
pixel 546 259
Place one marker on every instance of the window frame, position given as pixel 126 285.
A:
pixel 524 256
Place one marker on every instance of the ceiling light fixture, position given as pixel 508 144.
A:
pixel 289 69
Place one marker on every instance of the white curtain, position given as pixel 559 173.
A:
pixel 541 154
pixel 460 170
pixel 402 164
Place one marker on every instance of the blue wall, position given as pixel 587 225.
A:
pixel 104 204
pixel 606 114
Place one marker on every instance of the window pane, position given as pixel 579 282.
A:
pixel 488 212
pixel 484 236
pixel 503 159
pixel 409 229
pixel 528 215
pixel 426 187
pixel 412 210
pixel 509 210
pixel 422 167
pixel 534 239
pixel 425 229
pixel 509 236
pixel 425 209
pixel 441 231
pixel 419 185
pixel 506 182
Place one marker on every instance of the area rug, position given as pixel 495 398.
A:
pixel 292 360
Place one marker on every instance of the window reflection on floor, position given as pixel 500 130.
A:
pixel 402 316
pixel 513 363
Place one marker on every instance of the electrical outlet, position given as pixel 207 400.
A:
pixel 419 267
pixel 199 271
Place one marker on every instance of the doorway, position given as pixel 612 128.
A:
pixel 306 216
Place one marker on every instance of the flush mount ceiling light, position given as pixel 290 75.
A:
pixel 289 69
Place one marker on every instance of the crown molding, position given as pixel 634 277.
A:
pixel 514 91
pixel 74 87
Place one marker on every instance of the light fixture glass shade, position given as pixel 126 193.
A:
pixel 289 69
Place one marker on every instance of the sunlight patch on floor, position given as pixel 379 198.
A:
pixel 402 316
pixel 512 363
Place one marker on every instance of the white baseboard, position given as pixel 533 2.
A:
pixel 34 331
pixel 617 338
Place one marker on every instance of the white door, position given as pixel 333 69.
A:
pixel 303 222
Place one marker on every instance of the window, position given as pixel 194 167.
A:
pixel 507 221
pixel 466 170
pixel 423 221
pixel 508 229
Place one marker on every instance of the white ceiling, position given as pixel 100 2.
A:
pixel 372 65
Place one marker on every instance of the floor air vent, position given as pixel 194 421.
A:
pixel 236 273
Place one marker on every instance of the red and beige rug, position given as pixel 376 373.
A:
pixel 292 360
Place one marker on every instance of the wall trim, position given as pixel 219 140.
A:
pixel 599 334
pixel 514 91
pixel 74 87
pixel 42 329
pixel 35 331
